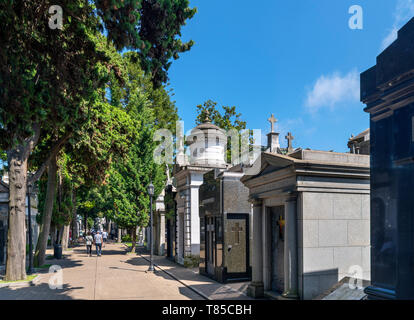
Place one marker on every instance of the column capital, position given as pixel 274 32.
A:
pixel 292 196
pixel 256 202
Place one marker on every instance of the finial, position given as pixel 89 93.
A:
pixel 207 116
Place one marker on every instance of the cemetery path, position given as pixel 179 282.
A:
pixel 111 276
pixel 204 286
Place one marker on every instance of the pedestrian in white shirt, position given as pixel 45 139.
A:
pixel 98 243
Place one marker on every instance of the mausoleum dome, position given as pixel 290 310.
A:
pixel 207 145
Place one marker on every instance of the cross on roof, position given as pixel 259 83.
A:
pixel 272 121
pixel 289 139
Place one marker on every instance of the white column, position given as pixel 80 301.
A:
pixel 162 234
pixel 255 289
pixel 291 249
pixel 195 221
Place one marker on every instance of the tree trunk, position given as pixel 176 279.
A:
pixel 133 238
pixel 86 223
pixel 74 218
pixel 119 235
pixel 60 235
pixel 16 237
pixel 65 238
pixel 109 228
pixel 39 257
pixel 53 235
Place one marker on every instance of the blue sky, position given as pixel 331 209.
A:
pixel 297 59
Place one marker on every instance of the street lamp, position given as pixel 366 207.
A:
pixel 151 194
pixel 30 270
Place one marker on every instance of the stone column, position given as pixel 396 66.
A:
pixel 291 249
pixel 162 233
pixel 255 288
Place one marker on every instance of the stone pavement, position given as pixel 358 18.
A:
pixel 205 286
pixel 114 275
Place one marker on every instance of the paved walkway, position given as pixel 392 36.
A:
pixel 205 286
pixel 114 275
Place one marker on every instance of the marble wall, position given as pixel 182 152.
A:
pixel 334 235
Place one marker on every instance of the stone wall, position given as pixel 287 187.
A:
pixel 334 234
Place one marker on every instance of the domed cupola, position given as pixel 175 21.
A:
pixel 207 144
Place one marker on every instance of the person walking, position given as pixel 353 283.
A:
pixel 89 241
pixel 98 243
pixel 104 237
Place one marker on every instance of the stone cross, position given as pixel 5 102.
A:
pixel 272 121
pixel 289 139
pixel 237 229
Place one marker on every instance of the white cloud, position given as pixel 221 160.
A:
pixel 331 90
pixel 403 13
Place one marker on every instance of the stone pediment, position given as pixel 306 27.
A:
pixel 269 162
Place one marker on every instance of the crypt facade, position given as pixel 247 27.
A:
pixel 225 226
pixel 207 143
pixel 310 219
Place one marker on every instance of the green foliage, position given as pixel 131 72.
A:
pixel 90 222
pixel 152 27
pixel 3 162
pixel 126 238
pixel 124 194
pixel 49 78
pixel 169 205
pixel 229 120
pixel 191 261
pixel 62 205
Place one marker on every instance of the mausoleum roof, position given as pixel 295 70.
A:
pixel 207 126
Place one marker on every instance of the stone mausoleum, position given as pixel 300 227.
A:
pixel 207 144
pixel 310 220
pixel 225 226
pixel 387 89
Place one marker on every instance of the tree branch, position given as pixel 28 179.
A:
pixel 53 152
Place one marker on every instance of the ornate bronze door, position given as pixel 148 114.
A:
pixel 237 235
pixel 277 253
pixel 210 245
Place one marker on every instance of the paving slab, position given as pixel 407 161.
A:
pixel 114 275
pixel 205 286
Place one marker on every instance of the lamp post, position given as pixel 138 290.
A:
pixel 151 194
pixel 29 220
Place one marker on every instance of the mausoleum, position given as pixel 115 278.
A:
pixel 225 226
pixel 310 220
pixel 387 89
pixel 207 144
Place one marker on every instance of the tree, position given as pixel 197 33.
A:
pixel 86 158
pixel 151 26
pixel 128 180
pixel 48 79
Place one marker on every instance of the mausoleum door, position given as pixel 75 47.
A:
pixel 277 249
pixel 210 245
pixel 236 243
